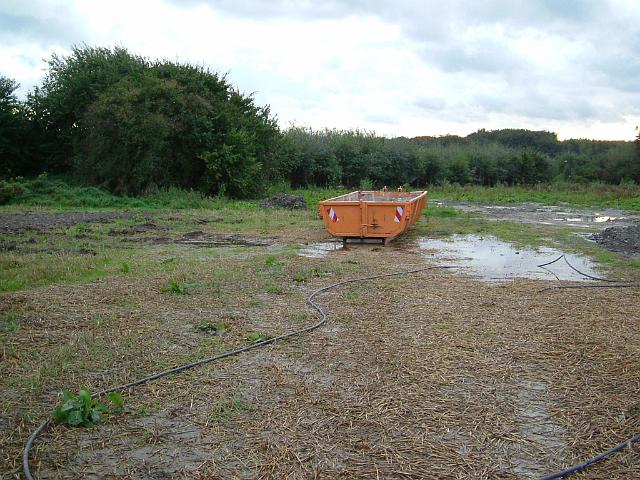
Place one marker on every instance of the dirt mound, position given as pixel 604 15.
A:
pixel 283 200
pixel 625 240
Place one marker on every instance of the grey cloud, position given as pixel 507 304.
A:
pixel 16 28
pixel 459 37
pixel 468 42
pixel 429 104
pixel 620 70
pixel 559 104
pixel 483 57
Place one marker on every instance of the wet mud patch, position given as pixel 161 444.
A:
pixel 553 215
pixel 540 430
pixel 201 239
pixel 493 260
pixel 145 227
pixel 20 222
pixel 162 445
pixel 324 249
pixel 12 246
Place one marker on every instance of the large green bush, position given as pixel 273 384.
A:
pixel 121 121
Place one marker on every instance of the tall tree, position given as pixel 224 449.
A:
pixel 119 120
pixel 15 156
pixel 70 87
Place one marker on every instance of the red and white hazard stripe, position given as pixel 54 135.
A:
pixel 332 215
pixel 399 212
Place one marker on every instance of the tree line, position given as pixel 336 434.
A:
pixel 111 118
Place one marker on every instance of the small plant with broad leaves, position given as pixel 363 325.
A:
pixel 83 410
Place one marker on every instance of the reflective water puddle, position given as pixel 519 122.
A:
pixel 492 259
pixel 319 250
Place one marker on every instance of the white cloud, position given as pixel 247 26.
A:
pixel 400 68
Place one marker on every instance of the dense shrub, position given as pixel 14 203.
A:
pixel 121 121
pixel 113 119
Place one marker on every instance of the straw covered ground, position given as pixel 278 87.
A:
pixel 429 375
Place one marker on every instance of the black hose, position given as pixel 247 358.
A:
pixel 323 318
pixel 614 283
pixel 626 443
pixel 591 461
pixel 576 270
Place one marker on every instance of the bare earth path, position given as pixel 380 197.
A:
pixel 430 376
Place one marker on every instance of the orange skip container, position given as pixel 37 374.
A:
pixel 383 215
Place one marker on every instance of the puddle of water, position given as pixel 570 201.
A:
pixel 319 250
pixel 492 259
pixel 604 219
pixel 559 215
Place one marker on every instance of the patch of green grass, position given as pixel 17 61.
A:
pixel 274 264
pixel 351 295
pixel 436 211
pixel 232 407
pixel 9 322
pixel 20 271
pixel 78 229
pixel 61 194
pixel 306 274
pixel 178 288
pixel 275 289
pixel 257 337
pixel 143 410
pixel 217 328
pixel 299 317
pixel 465 224
pixel 625 197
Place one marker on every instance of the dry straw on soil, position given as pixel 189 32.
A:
pixel 432 376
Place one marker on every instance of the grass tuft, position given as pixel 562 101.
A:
pixel 257 337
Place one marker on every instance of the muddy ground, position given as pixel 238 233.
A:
pixel 40 222
pixel 433 375
pixel 620 229
pixel 559 216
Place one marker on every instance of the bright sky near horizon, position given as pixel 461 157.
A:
pixel 400 68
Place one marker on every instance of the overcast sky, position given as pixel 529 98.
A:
pixel 401 68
